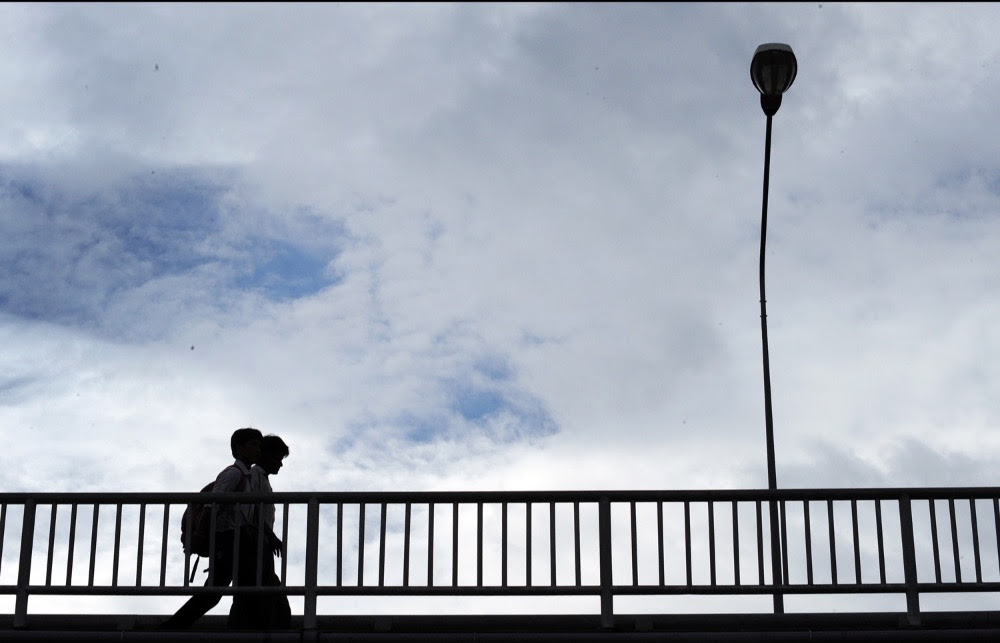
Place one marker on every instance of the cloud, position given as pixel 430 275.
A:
pixel 503 246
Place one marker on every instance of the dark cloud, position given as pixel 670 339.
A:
pixel 907 461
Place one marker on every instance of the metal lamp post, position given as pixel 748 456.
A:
pixel 772 71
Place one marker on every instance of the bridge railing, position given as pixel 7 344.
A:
pixel 603 544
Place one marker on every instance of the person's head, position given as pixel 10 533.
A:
pixel 246 445
pixel 273 451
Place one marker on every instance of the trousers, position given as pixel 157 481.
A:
pixel 223 574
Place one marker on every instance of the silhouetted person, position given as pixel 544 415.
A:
pixel 265 612
pixel 231 522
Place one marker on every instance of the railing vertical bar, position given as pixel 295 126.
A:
pixel 552 543
pixel 760 542
pixel 118 539
pixel 711 542
pixel 236 542
pixel 186 544
pixel 71 545
pixel 213 516
pixel 259 580
pixel 24 565
pixel 736 544
pixel 93 546
pixel 784 540
pixel 284 543
pixel 3 528
pixel 527 544
pixel 503 544
pixel 833 541
pixel 163 546
pixel 975 540
pixel 52 544
pixel 479 544
pixel 604 537
pixel 406 545
pixel 576 542
pixel 954 540
pixel 659 544
pixel 996 523
pixel 312 566
pixel 635 553
pixel 881 541
pixel 454 544
pixel 381 545
pixel 779 552
pixel 857 542
pixel 141 544
pixel 934 540
pixel 809 548
pixel 430 544
pixel 361 542
pixel 909 561
pixel 340 544
pixel 687 541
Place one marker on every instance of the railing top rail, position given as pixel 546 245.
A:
pixel 325 497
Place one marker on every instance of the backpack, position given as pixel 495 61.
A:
pixel 197 518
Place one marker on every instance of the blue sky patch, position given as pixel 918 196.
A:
pixel 284 270
pixel 474 405
pixel 498 407
pixel 495 368
pixel 69 256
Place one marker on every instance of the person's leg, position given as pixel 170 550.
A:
pixel 247 612
pixel 199 604
pixel 278 614
pixel 280 611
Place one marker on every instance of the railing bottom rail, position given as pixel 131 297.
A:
pixel 948 626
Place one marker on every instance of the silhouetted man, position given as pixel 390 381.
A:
pixel 232 523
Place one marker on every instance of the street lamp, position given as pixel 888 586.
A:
pixel 772 71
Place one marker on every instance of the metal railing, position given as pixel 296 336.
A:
pixel 603 544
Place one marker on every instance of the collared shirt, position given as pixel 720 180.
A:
pixel 259 482
pixel 228 480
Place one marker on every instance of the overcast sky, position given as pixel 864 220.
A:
pixel 497 246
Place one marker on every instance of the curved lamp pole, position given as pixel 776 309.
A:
pixel 772 71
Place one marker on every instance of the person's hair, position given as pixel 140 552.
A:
pixel 242 436
pixel 274 446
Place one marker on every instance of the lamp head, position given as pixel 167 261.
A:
pixel 772 71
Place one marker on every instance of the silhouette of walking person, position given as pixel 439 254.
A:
pixel 265 612
pixel 231 530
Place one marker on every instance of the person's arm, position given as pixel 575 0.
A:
pixel 273 542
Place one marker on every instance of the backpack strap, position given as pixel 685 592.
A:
pixel 244 479
pixel 244 485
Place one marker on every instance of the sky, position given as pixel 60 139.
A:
pixel 497 246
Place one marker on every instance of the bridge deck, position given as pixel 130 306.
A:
pixel 943 626
pixel 939 626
